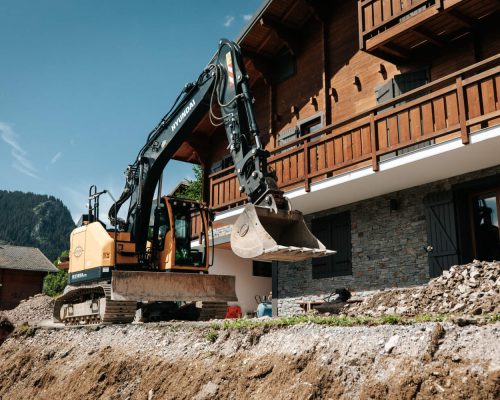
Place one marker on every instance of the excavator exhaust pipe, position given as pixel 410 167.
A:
pixel 262 234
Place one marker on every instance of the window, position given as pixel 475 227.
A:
pixel 262 268
pixel 226 162
pixel 311 125
pixel 395 87
pixel 286 65
pixel 334 231
pixel 304 127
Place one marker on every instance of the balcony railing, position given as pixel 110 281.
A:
pixel 396 27
pixel 451 107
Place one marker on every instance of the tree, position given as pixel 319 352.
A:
pixel 54 283
pixel 194 188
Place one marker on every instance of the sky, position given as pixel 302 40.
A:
pixel 82 83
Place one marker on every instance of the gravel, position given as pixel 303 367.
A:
pixel 471 289
pixel 31 310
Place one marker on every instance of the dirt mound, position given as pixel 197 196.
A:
pixel 467 289
pixel 34 309
pixel 308 361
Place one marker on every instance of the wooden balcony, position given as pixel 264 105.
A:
pixel 451 107
pixel 399 27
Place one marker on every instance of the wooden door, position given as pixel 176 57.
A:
pixel 442 241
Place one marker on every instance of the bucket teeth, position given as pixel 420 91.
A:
pixel 293 253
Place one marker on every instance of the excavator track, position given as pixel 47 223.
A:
pixel 92 304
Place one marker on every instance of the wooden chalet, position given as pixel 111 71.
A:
pixel 382 121
pixel 22 270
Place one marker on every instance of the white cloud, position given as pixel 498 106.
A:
pixel 56 157
pixel 19 155
pixel 229 21
pixel 247 17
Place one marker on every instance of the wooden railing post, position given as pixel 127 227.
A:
pixel 374 146
pixel 307 184
pixel 361 26
pixel 462 116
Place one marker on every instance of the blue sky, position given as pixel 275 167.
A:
pixel 83 82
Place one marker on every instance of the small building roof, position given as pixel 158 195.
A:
pixel 24 258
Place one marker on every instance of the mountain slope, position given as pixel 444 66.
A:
pixel 28 219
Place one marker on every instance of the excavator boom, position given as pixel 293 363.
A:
pixel 148 257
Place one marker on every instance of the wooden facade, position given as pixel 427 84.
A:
pixel 316 76
pixel 18 285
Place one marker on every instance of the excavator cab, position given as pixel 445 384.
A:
pixel 180 227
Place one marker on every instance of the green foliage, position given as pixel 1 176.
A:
pixel 54 283
pixel 28 219
pixel 332 320
pixel 212 335
pixel 493 318
pixel 194 188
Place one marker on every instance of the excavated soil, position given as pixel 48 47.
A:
pixel 308 361
pixel 32 310
pixel 471 289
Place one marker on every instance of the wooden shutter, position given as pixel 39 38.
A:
pixel 341 242
pixel 335 233
pixel 322 266
pixel 385 92
pixel 411 80
pixel 441 232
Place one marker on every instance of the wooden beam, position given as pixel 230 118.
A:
pixel 318 10
pixel 261 62
pixel 396 51
pixel 289 10
pixel 429 36
pixel 325 55
pixel 461 19
pixel 284 32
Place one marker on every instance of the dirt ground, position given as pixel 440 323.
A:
pixel 307 361
pixel 458 359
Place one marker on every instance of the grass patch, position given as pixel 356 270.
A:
pixel 430 318
pixel 212 335
pixel 24 330
pixel 493 317
pixel 338 320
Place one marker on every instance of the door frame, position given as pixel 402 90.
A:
pixel 495 192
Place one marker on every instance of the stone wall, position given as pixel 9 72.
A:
pixel 387 246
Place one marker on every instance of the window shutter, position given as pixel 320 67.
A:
pixel 322 266
pixel 385 92
pixel 335 233
pixel 341 242
pixel 411 80
pixel 288 135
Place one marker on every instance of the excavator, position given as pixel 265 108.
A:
pixel 155 262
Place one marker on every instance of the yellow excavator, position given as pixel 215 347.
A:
pixel 155 263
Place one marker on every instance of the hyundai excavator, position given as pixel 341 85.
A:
pixel 148 262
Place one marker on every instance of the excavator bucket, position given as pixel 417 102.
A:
pixel 260 233
pixel 157 286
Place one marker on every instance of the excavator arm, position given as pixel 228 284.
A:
pixel 223 86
